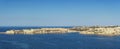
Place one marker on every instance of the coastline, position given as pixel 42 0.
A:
pixel 93 30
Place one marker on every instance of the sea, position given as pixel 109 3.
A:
pixel 55 41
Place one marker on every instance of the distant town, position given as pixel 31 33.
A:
pixel 97 30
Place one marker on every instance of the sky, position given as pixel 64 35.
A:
pixel 59 12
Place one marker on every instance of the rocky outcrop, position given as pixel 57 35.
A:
pixel 104 30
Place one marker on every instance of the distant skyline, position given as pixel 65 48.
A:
pixel 59 12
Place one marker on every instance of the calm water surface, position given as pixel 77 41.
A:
pixel 58 41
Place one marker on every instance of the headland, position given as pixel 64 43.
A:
pixel 97 30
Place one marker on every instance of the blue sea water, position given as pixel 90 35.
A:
pixel 56 41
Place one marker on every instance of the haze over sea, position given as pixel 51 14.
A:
pixel 56 41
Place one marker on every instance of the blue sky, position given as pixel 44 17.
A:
pixel 59 12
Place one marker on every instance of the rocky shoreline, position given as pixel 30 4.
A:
pixel 97 30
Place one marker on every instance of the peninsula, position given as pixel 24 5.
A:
pixel 97 30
